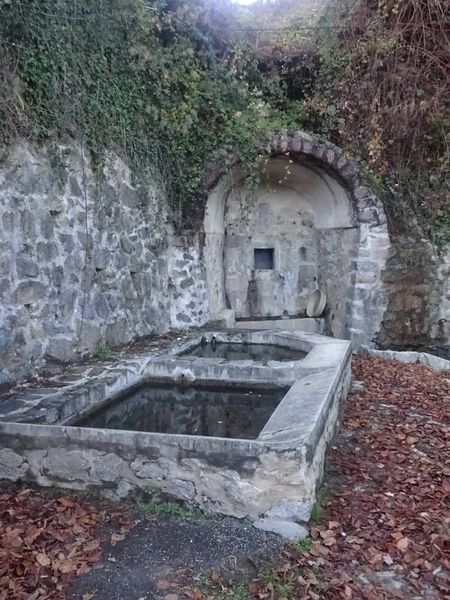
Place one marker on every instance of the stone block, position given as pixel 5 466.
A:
pixel 74 187
pixel 366 265
pixel 291 510
pixel 27 223
pixel 307 146
pixel 186 283
pixel 126 245
pixel 107 467
pixel 145 469
pixel 12 465
pixel 47 251
pixel 330 156
pixel 66 465
pixel 91 336
pixel 67 302
pixel 85 239
pixel 361 293
pixel 342 163
pixel 129 197
pixel 117 333
pixel 364 277
pixel 57 276
pixel 181 264
pixel 318 151
pixel 181 489
pixel 101 306
pixel 60 349
pixel 368 215
pixel 26 267
pixel 89 312
pixel 5 288
pixel 6 382
pixel 67 242
pixel 302 135
pixel 127 288
pixel 122 490
pixel 362 192
pixel 284 142
pixel 296 144
pixel 183 318
pixel 8 221
pixel 5 265
pixel 29 292
pixel 113 301
pixel 32 350
pixel 120 260
pixel 6 340
pixel 350 171
pixel 286 529
pixel 46 226
pixel 361 204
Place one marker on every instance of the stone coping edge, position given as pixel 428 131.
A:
pixel 424 358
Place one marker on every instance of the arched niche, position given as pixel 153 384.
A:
pixel 308 220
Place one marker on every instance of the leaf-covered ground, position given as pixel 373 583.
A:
pixel 384 531
pixel 48 540
pixel 381 530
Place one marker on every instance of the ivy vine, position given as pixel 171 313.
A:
pixel 149 80
pixel 172 85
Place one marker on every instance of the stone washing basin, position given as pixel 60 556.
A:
pixel 269 476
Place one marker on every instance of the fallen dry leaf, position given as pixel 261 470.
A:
pixel 45 542
pixel 402 543
pixel 43 559
pixel 116 537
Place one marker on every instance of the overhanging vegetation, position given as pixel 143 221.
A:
pixel 171 85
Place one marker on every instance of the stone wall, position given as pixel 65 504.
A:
pixel 417 290
pixel 367 308
pixel 337 253
pixel 277 220
pixel 84 261
pixel 187 283
pixel 440 317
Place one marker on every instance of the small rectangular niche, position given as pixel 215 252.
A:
pixel 263 258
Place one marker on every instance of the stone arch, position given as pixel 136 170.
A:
pixel 351 242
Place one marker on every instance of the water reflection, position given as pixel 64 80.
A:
pixel 258 352
pixel 209 411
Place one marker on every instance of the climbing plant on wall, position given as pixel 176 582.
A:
pixel 382 91
pixel 157 82
pixel 174 84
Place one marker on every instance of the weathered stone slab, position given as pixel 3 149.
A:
pixel 287 529
pixel 429 360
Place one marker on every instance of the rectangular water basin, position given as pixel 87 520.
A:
pixel 227 411
pixel 261 353
pixel 188 454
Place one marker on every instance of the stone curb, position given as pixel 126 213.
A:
pixel 429 360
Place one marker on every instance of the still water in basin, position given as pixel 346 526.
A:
pixel 231 412
pixel 258 352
